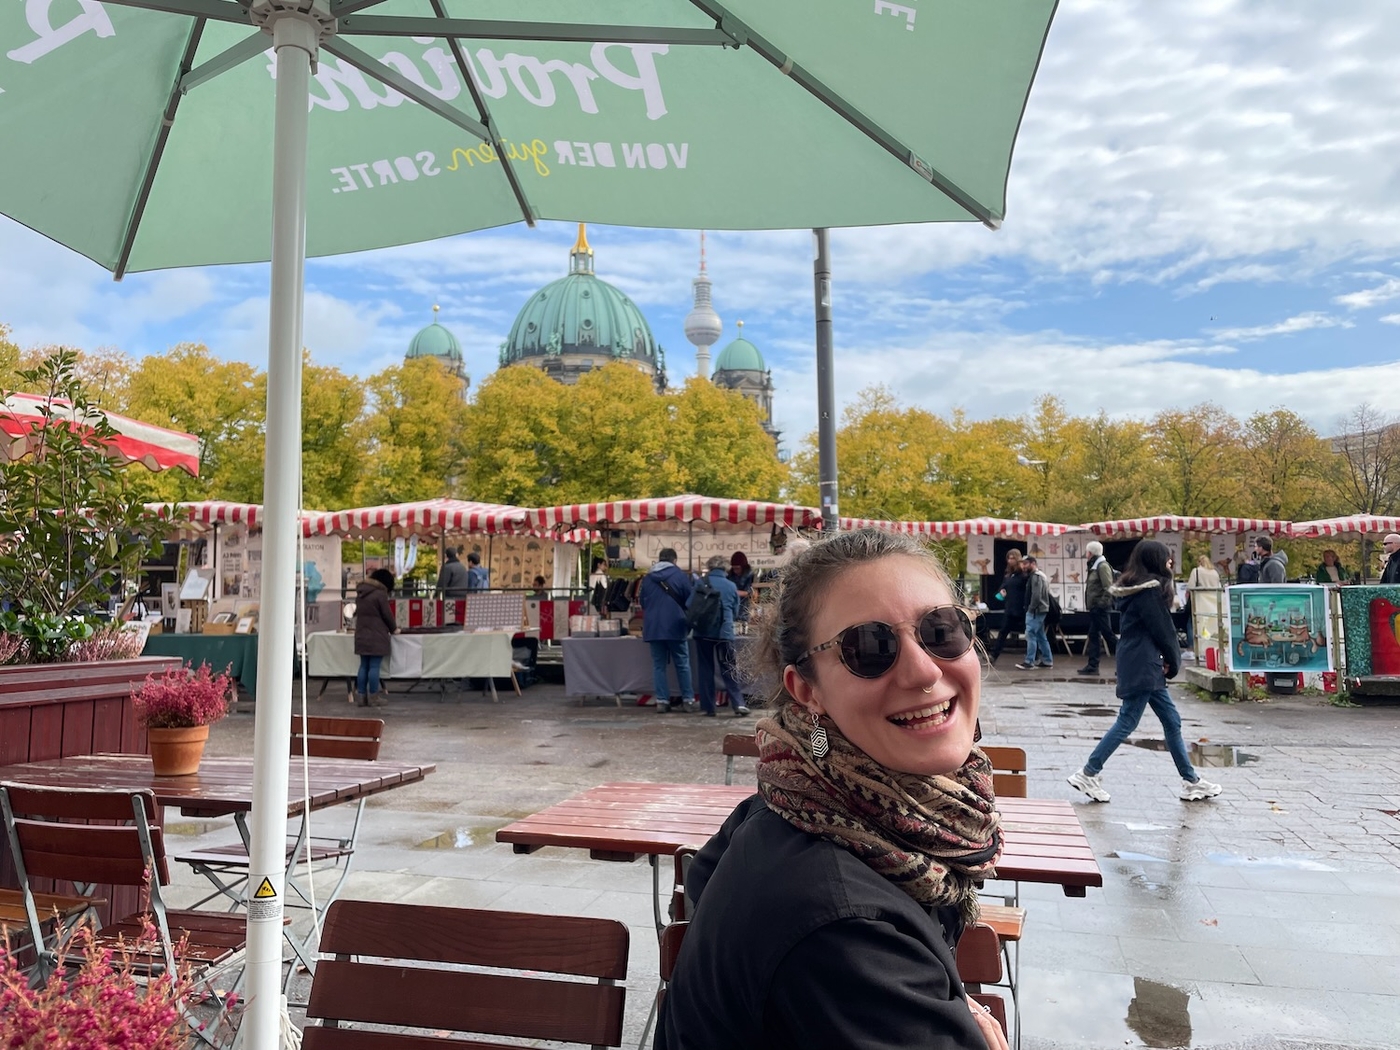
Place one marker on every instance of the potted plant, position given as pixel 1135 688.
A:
pixel 177 708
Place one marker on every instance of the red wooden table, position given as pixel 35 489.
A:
pixel 1044 841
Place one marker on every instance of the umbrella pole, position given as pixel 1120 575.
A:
pixel 296 38
pixel 826 386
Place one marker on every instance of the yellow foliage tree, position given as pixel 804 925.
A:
pixel 412 437
pixel 1199 456
pixel 720 444
pixel 510 438
pixel 616 439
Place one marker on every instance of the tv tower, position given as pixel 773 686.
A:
pixel 702 324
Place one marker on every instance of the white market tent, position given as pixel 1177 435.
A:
pixel 675 509
pixel 1350 525
pixel 1007 527
pixel 1129 527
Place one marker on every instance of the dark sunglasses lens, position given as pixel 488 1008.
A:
pixel 946 633
pixel 869 649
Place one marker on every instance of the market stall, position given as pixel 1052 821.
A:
pixel 416 657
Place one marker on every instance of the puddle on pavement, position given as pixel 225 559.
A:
pixel 1110 1009
pixel 1208 755
pixel 457 838
pixel 1124 854
pixel 1292 863
pixel 1159 1014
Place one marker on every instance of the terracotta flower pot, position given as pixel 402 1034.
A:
pixel 176 752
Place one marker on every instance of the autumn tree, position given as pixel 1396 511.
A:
pixel 722 449
pixel 1364 475
pixel 1198 454
pixel 1109 471
pixel 511 438
pixel 1048 435
pixel 1285 462
pixel 412 435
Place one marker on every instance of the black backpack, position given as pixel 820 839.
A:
pixel 705 613
pixel 1052 615
pixel 1248 572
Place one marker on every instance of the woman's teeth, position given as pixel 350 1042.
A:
pixel 934 713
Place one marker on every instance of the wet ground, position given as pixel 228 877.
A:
pixel 1268 917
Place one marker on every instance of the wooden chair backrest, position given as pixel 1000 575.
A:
pixel 1008 770
pixel 85 835
pixel 742 745
pixel 671 938
pixel 393 991
pixel 338 737
pixel 979 955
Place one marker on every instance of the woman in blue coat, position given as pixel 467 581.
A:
pixel 1148 654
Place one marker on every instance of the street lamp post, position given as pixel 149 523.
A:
pixel 826 386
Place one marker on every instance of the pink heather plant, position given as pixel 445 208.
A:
pixel 181 698
pixel 9 645
pixel 108 643
pixel 98 1005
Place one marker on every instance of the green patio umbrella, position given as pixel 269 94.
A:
pixel 142 133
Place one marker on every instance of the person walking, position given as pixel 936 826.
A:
pixel 1013 603
pixel 1391 572
pixel 1038 652
pixel 478 578
pixel 452 581
pixel 1148 655
pixel 1099 603
pixel 374 626
pixel 664 593
pixel 713 607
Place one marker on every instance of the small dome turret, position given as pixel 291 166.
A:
pixel 436 341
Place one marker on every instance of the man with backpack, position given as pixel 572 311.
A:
pixel 1273 568
pixel 665 591
pixel 1037 610
pixel 714 605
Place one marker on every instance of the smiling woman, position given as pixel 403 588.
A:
pixel 828 906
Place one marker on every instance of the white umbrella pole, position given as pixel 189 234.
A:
pixel 295 39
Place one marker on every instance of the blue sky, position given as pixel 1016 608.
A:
pixel 1204 205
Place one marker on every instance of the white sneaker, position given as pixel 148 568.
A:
pixel 1196 790
pixel 1091 786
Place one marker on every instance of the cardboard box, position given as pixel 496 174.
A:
pixel 210 627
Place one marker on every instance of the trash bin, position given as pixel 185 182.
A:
pixel 1284 684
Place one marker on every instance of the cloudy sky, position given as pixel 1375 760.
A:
pixel 1204 205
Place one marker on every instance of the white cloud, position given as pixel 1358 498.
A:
pixel 1369 297
pixel 1390 319
pixel 1297 323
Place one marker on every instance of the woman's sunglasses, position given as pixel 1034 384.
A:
pixel 868 650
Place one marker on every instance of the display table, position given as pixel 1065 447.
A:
pixel 239 651
pixel 458 654
pixel 609 666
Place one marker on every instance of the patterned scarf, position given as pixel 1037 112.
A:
pixel 935 837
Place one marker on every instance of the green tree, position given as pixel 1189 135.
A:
pixel 510 438
pixel 1199 454
pixel 332 406
pixel 1110 472
pixel 1286 461
pixel 616 438
pixel 412 434
pixel 721 446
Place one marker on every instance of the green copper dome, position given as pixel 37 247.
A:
pixel 435 341
pixel 580 314
pixel 740 356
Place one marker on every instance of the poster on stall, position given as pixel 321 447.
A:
pixel 1222 554
pixel 980 557
pixel 252 567
pixel 1172 541
pixel 320 564
pixel 695 548
pixel 1279 628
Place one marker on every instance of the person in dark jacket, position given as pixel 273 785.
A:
pixel 452 579
pixel 374 624
pixel 715 642
pixel 1391 572
pixel 1148 655
pixel 663 596
pixel 1099 603
pixel 1038 652
pixel 1273 568
pixel 1013 603
pixel 827 908
pixel 741 576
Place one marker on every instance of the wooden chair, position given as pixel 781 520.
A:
pixel 979 964
pixel 92 836
pixel 1008 770
pixel 54 914
pixel 741 745
pixel 396 990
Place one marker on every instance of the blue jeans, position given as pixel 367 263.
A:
pixel 679 654
pixel 367 681
pixel 1037 643
pixel 722 649
pixel 1129 715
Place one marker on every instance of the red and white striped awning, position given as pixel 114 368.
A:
pixel 1184 523
pixel 202 515
pixel 22 418
pixel 968 527
pixel 675 509
pixel 1351 525
pixel 432 517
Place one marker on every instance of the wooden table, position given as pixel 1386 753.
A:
pixel 1044 841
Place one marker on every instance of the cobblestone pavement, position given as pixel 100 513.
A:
pixel 1268 918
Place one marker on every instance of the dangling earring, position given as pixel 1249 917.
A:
pixel 820 746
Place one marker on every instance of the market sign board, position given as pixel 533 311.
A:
pixel 1279 628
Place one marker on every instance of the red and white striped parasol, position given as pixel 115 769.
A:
pixel 202 515
pixel 675 509
pixel 155 448
pixel 431 517
pixel 1351 525
pixel 1184 523
pixel 1007 527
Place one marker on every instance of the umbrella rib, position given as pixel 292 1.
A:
pixel 340 8
pixel 148 178
pixel 743 34
pixel 225 60
pixel 526 209
pixel 497 29
pixel 367 63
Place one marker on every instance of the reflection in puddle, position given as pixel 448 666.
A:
pixel 1294 863
pixel 1124 854
pixel 1216 755
pixel 458 838
pixel 1159 1014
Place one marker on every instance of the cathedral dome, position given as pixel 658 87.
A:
pixel 581 314
pixel 435 341
pixel 740 356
